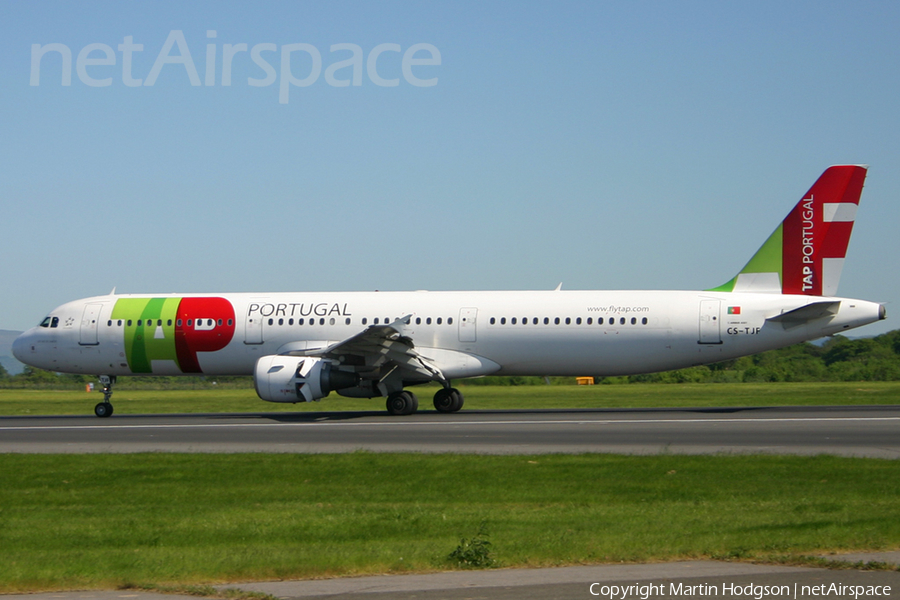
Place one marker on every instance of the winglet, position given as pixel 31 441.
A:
pixel 805 254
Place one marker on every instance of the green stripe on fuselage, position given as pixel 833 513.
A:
pixel 154 338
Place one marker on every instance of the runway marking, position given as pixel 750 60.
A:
pixel 445 423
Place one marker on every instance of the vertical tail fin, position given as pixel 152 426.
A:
pixel 806 252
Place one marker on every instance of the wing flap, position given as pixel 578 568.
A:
pixel 378 351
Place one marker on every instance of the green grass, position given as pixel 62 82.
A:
pixel 127 401
pixel 104 521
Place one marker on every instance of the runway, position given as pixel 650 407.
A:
pixel 864 431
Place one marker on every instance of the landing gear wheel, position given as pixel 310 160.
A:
pixel 103 409
pixel 402 403
pixel 448 400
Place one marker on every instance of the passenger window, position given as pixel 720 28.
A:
pixel 556 321
pixel 578 321
pixel 449 320
pixel 428 321
pixel 590 321
pixel 375 321
pixel 634 320
pixel 535 321
pixel 503 320
pixel 439 320
pixel 622 321
pixel 546 320
pixel 331 321
pixel 347 321
pixel 568 321
pixel 271 321
pixel 169 323
pixel 139 322
pixel 230 322
pixel 418 320
pixel 281 321
pixel 321 321
pixel 364 321
pixel 493 321
pixel 129 322
pixel 178 323
pixel 218 323
pixel 512 321
pixel 644 321
pixel 109 323
pixel 119 323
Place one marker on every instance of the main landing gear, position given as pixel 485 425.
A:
pixel 402 403
pixel 446 400
pixel 105 409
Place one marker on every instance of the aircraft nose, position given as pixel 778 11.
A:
pixel 20 347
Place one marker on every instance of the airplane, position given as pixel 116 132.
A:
pixel 300 347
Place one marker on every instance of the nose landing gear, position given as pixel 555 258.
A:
pixel 105 409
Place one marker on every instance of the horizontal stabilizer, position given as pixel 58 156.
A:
pixel 805 314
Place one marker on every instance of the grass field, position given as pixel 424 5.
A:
pixel 105 521
pixel 51 402
pixel 102 521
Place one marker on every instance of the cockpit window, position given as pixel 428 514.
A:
pixel 54 322
pixel 46 322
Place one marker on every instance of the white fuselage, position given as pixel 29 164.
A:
pixel 466 334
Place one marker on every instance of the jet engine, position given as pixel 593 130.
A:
pixel 299 379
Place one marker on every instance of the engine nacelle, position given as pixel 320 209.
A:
pixel 296 379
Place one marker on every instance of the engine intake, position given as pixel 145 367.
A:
pixel 292 379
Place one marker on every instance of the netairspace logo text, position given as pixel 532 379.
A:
pixel 749 591
pixel 345 63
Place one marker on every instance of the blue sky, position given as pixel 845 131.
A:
pixel 604 145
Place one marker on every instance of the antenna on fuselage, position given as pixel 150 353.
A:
pixel 113 292
pixel 559 287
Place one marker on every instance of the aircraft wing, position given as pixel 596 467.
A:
pixel 377 351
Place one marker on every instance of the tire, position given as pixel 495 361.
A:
pixel 443 400
pixel 103 410
pixel 413 403
pixel 402 403
pixel 457 400
pixel 397 403
pixel 448 400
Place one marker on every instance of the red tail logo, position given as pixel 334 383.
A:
pixel 817 231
